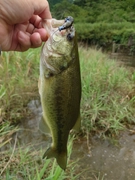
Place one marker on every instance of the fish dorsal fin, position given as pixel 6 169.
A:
pixel 43 127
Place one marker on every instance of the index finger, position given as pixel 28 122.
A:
pixel 42 9
pixel 46 14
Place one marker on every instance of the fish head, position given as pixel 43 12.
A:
pixel 58 49
pixel 60 41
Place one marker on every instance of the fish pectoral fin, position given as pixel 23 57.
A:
pixel 43 127
pixel 77 125
pixel 60 157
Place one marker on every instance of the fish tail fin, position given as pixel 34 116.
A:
pixel 60 157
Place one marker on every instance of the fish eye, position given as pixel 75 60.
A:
pixel 70 36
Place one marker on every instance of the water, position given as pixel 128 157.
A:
pixel 113 162
pixel 30 133
pixel 97 158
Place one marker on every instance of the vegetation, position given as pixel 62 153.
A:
pixel 108 93
pixel 103 21
pixel 18 83
pixel 26 163
pixel 107 107
pixel 108 90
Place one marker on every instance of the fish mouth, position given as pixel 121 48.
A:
pixel 65 28
pixel 68 25
pixel 59 45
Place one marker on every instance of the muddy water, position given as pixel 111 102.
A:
pixel 106 160
pixel 30 133
pixel 97 159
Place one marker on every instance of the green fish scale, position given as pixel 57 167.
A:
pixel 61 114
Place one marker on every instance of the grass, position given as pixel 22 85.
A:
pixel 107 107
pixel 18 83
pixel 6 131
pixel 26 163
pixel 107 93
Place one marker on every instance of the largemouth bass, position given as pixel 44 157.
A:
pixel 60 86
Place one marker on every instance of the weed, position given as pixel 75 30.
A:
pixel 18 83
pixel 107 106
pixel 106 90
pixel 25 163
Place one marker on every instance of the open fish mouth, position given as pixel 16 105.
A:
pixel 68 25
pixel 58 46
pixel 62 25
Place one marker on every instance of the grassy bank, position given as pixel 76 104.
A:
pixel 107 106
pixel 108 93
pixel 18 83
pixel 25 162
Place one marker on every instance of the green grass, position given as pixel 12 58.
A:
pixel 107 89
pixel 107 106
pixel 107 93
pixel 6 131
pixel 26 163
pixel 18 82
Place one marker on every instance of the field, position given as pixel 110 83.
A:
pixel 107 107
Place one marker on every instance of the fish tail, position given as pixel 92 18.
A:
pixel 60 157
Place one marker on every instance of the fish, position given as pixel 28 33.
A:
pixel 60 87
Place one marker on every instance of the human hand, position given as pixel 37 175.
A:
pixel 21 24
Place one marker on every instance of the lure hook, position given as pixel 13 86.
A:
pixel 68 23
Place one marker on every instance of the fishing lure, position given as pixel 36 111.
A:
pixel 68 24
